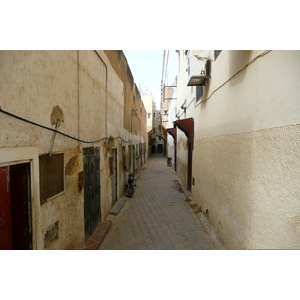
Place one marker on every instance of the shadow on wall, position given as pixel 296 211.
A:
pixel 237 60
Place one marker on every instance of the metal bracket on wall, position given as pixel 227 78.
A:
pixel 53 138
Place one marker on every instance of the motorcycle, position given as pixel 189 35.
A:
pixel 129 187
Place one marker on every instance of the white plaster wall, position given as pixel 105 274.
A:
pixel 171 118
pixel 246 154
pixel 185 98
pixel 263 95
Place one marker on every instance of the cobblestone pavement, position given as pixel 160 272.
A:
pixel 158 217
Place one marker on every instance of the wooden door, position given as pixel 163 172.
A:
pixel 92 205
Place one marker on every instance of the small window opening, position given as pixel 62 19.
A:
pixel 51 176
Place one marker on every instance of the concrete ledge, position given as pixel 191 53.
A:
pixel 98 236
pixel 118 206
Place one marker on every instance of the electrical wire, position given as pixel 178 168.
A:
pixel 242 69
pixel 61 133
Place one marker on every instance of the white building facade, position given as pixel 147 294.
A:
pixel 245 143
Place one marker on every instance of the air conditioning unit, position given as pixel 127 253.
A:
pixel 198 70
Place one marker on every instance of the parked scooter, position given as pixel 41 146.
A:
pixel 129 187
pixel 169 161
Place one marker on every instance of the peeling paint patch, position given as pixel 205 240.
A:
pixel 70 165
pixel 57 114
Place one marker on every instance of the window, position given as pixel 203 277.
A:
pixel 51 176
pixel 217 53
pixel 199 93
pixel 149 115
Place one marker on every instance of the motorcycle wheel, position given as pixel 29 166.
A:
pixel 129 191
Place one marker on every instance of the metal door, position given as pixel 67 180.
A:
pixel 114 178
pixel 92 205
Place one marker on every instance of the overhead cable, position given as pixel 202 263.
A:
pixel 61 133
pixel 242 69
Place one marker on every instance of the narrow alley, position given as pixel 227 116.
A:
pixel 158 217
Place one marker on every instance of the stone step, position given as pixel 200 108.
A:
pixel 98 235
pixel 118 206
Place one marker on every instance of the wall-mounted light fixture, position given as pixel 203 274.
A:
pixel 204 76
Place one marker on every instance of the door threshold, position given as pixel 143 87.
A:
pixel 98 235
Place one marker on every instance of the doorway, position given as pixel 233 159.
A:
pixel 153 149
pixel 133 157
pixel 15 207
pixel 114 177
pixel 160 148
pixel 190 165
pixel 92 207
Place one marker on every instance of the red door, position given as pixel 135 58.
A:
pixel 5 211
pixel 20 206
pixel 15 207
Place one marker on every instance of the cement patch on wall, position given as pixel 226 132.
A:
pixel 249 182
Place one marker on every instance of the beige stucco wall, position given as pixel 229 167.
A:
pixel 90 93
pixel 149 106
pixel 31 88
pixel 249 183
pixel 246 154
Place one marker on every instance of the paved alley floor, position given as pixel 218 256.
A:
pixel 158 217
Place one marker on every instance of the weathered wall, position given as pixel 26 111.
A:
pixel 32 84
pixel 87 88
pixel 135 121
